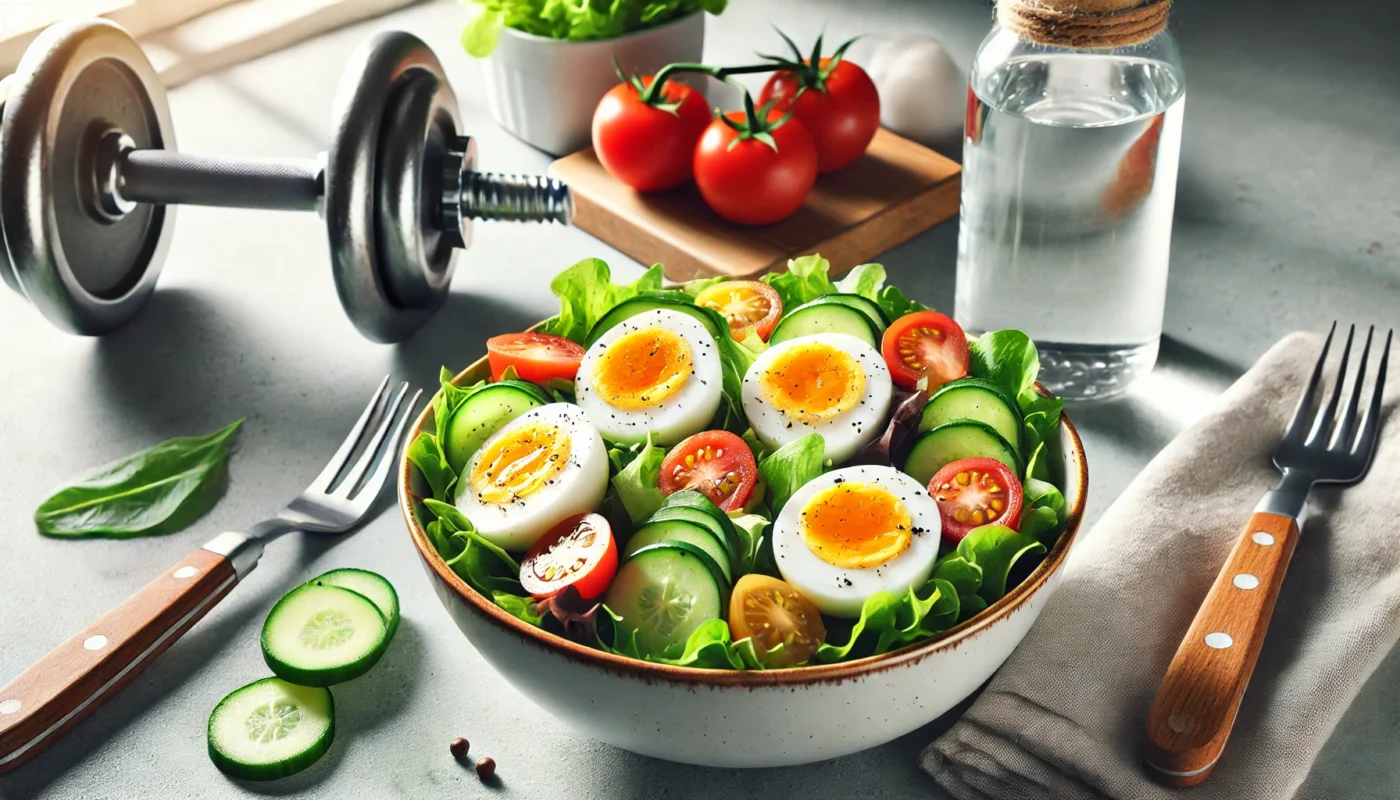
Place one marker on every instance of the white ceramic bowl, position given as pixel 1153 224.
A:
pixel 746 719
pixel 545 90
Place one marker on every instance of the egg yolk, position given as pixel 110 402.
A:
pixel 856 525
pixel 642 368
pixel 520 463
pixel 812 382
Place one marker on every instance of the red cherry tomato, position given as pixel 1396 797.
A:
pixel 579 552
pixel 746 304
pixel 750 182
pixel 973 492
pixel 715 463
pixel 841 111
pixel 925 344
pixel 537 357
pixel 646 147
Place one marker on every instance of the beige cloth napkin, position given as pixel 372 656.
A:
pixel 1064 717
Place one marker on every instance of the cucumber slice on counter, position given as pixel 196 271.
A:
pixel 370 584
pixel 664 591
pixel 631 308
pixel 683 530
pixel 974 399
pixel 486 411
pixel 319 635
pixel 954 441
pixel 865 305
pixel 829 317
pixel 271 729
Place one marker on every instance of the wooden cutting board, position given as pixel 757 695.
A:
pixel 898 189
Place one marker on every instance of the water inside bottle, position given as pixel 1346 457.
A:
pixel 1069 178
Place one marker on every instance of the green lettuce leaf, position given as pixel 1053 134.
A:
pixel 751 528
pixel 806 279
pixel 996 549
pixel 1007 358
pixel 790 467
pixel 1045 512
pixel 888 621
pixel 575 20
pixel 708 647
pixel 638 483
pixel 586 293
pixel 695 287
pixel 524 608
pixel 895 305
pixel 865 280
pixel 483 565
pixel 426 454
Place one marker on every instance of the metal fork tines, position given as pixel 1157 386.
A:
pixel 343 495
pixel 1320 445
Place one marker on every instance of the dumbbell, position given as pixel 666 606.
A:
pixel 89 176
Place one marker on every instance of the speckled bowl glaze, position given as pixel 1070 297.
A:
pixel 723 718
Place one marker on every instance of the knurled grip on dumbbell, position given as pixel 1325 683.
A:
pixel 169 178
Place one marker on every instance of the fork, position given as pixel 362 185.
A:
pixel 1200 695
pixel 69 683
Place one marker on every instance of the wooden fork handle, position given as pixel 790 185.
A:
pixel 63 687
pixel 1200 695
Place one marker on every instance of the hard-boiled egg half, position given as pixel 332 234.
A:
pixel 828 383
pixel 547 464
pixel 853 532
pixel 657 372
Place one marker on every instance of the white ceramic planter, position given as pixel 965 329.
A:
pixel 544 90
pixel 747 719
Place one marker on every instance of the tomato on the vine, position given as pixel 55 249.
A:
pixel 755 174
pixel 715 463
pixel 835 99
pixel 648 145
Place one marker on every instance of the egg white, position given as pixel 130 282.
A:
pixel 578 488
pixel 846 433
pixel 689 410
pixel 840 591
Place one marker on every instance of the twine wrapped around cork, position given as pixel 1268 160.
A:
pixel 1084 23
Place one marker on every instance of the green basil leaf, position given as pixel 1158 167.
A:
pixel 161 489
pixel 790 467
pixel 996 549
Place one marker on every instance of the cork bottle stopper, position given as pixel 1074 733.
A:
pixel 1084 23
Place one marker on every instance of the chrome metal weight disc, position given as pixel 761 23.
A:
pixel 377 72
pixel 81 82
pixel 416 257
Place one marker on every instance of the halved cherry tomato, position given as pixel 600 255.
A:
pixel 715 463
pixel 646 146
pixel 579 552
pixel 746 304
pixel 925 344
pixel 772 612
pixel 537 357
pixel 972 492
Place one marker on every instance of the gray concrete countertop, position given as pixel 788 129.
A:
pixel 1288 215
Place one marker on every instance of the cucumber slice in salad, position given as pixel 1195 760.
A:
pixel 954 441
pixel 974 399
pixel 664 591
pixel 864 305
pixel 693 506
pixel 319 635
pixel 486 411
pixel 631 308
pixel 830 317
pixel 683 530
pixel 271 729
pixel 371 585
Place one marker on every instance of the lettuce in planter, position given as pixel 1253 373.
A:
pixel 569 19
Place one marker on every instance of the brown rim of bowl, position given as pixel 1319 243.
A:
pixel 646 670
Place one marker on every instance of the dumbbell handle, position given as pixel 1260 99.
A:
pixel 170 178
pixel 162 176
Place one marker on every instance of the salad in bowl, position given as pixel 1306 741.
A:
pixel 748 485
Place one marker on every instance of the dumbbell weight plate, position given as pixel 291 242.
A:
pixel 86 271
pixel 415 258
pixel 377 70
